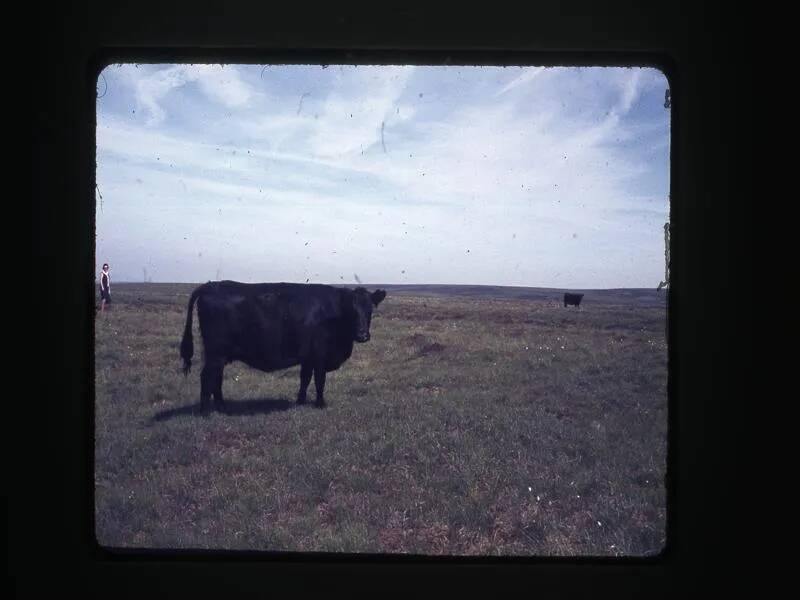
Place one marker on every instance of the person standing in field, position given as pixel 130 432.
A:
pixel 105 288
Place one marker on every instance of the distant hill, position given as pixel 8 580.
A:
pixel 637 296
pixel 621 296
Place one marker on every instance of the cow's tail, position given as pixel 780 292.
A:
pixel 187 345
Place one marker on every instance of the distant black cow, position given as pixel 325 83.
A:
pixel 272 326
pixel 574 299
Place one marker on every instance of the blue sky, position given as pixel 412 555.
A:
pixel 547 177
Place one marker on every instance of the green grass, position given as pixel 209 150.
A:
pixel 465 426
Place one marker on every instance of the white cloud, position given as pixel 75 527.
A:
pixel 150 90
pixel 351 116
pixel 630 90
pixel 220 84
pixel 537 180
pixel 527 75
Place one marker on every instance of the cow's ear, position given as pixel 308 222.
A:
pixel 377 296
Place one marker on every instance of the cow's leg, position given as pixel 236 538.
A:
pixel 219 402
pixel 306 370
pixel 211 383
pixel 319 383
pixel 206 387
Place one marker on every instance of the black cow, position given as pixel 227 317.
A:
pixel 272 326
pixel 574 299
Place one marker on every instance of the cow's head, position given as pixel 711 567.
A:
pixel 363 303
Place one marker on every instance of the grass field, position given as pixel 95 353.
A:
pixel 484 422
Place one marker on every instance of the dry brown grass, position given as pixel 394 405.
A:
pixel 465 426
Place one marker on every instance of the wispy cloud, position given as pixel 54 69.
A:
pixel 496 177
pixel 220 84
pixel 351 116
pixel 630 91
pixel 526 76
